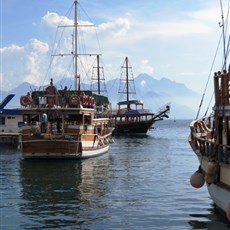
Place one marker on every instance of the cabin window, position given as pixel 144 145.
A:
pixel 10 118
pixel 20 124
pixel 30 119
pixel 2 121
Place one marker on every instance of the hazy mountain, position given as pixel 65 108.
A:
pixel 155 94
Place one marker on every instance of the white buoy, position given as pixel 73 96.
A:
pixel 197 179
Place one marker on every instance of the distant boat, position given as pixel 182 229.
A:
pixel 63 123
pixel 10 122
pixel 131 118
pixel 210 140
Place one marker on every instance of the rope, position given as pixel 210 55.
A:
pixel 206 86
pixel 226 53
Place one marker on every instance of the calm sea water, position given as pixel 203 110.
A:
pixel 142 183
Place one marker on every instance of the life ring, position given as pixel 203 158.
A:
pixel 24 100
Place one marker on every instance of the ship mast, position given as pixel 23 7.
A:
pixel 223 34
pixel 98 76
pixel 76 76
pixel 125 82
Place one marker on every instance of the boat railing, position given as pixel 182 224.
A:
pixel 202 138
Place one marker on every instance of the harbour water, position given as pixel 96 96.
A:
pixel 141 183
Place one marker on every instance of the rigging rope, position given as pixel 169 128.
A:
pixel 56 45
pixel 226 53
pixel 206 86
pixel 226 23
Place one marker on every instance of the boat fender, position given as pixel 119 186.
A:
pixel 197 179
pixel 210 172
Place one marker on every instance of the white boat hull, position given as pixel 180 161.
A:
pixel 219 190
pixel 94 153
pixel 62 149
pixel 84 154
pixel 220 197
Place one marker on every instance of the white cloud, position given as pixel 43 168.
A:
pixel 36 53
pixel 52 20
pixel 37 46
pixel 206 15
pixel 142 39
pixel 12 63
pixel 115 31
pixel 11 49
pixel 23 63
pixel 146 67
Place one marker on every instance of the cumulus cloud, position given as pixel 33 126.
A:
pixel 120 36
pixel 36 53
pixel 52 20
pixel 145 67
pixel 12 63
pixel 117 28
pixel 23 63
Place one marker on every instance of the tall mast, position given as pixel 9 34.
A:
pixel 77 78
pixel 127 85
pixel 223 32
pixel 127 79
pixel 98 75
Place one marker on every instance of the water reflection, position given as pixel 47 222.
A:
pixel 143 183
pixel 210 220
pixel 62 192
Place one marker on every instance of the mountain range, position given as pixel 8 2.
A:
pixel 155 94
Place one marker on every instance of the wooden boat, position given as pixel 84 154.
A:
pixel 210 140
pixel 131 118
pixel 63 123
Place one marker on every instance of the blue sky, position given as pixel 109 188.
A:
pixel 175 39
